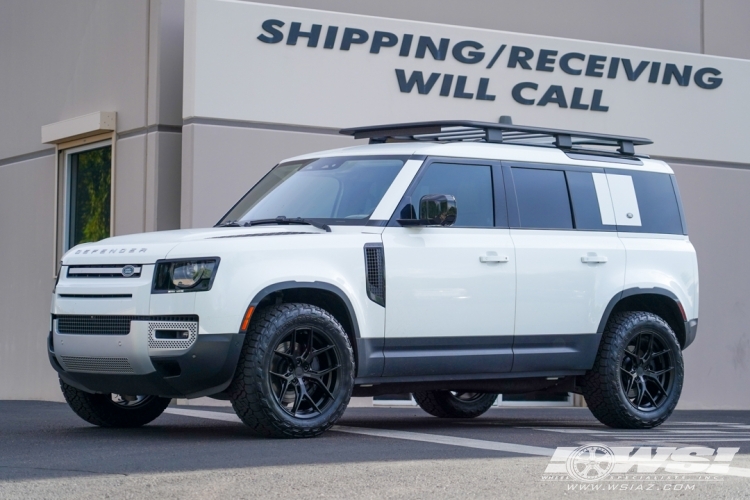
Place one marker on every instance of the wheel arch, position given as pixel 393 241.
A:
pixel 660 301
pixel 318 293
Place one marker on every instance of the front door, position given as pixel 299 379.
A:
pixel 451 290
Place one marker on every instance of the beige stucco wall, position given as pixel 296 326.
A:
pixel 59 60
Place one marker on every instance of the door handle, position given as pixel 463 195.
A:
pixel 593 258
pixel 489 258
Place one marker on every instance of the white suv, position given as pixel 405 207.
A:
pixel 454 260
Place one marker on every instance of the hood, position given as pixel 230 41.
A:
pixel 147 248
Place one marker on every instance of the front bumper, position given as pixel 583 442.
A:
pixel 127 364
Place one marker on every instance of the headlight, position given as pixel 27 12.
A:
pixel 195 275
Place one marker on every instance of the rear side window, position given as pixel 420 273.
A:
pixel 587 207
pixel 542 197
pixel 657 204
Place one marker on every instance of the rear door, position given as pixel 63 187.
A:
pixel 569 261
pixel 451 290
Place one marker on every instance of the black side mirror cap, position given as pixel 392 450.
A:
pixel 434 210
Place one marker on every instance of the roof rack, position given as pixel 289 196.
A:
pixel 503 132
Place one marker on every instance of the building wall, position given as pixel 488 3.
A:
pixel 60 60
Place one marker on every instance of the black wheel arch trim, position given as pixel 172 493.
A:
pixel 369 358
pixel 690 330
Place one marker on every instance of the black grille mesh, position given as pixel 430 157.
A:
pixel 107 325
pixel 375 272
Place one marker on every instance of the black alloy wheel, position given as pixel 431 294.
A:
pixel 304 372
pixel 453 404
pixel 295 374
pixel 647 371
pixel 113 410
pixel 638 372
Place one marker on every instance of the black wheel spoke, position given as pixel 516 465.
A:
pixel 320 351
pixel 284 387
pixel 661 372
pixel 650 349
pixel 322 385
pixel 630 385
pixel 312 402
pixel 284 355
pixel 297 400
pixel 631 355
pixel 648 394
pixel 660 353
pixel 285 377
pixel 326 371
pixel 309 349
pixel 656 380
pixel 293 342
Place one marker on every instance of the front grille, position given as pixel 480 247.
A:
pixel 105 271
pixel 94 325
pixel 96 365
pixel 109 325
pixel 375 272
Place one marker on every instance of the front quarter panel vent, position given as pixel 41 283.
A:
pixel 375 272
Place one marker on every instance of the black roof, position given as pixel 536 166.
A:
pixel 504 132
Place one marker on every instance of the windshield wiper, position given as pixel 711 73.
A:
pixel 284 220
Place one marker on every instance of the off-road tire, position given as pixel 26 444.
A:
pixel 99 409
pixel 250 391
pixel 602 385
pixel 445 404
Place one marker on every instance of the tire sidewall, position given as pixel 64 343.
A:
pixel 345 380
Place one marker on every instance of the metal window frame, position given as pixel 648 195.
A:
pixel 64 155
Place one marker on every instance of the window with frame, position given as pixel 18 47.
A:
pixel 88 191
pixel 471 185
pixel 542 197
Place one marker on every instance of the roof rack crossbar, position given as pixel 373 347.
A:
pixel 465 130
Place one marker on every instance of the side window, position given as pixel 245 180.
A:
pixel 471 185
pixel 542 197
pixel 657 203
pixel 588 208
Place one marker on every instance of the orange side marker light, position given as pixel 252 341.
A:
pixel 246 319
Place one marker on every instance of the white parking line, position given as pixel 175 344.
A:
pixel 417 436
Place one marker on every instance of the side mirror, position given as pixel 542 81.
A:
pixel 434 210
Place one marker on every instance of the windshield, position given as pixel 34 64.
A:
pixel 334 190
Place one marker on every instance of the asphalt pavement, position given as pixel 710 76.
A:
pixel 46 451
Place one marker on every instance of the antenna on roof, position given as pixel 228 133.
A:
pixel 506 120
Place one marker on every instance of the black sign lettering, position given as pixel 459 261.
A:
pixel 269 26
pixel 546 61
pixel 707 83
pixel 516 92
pixel 472 57
pixel 554 94
pixel 596 102
pixel 482 94
pixel 330 37
pixel 353 36
pixel 382 39
pixel 595 66
pixel 520 55
pixel 425 43
pixel 682 79
pixel 576 102
pixel 634 74
pixel 312 36
pixel 565 62
pixel 653 76
pixel 416 78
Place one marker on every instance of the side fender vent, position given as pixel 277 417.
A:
pixel 375 272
